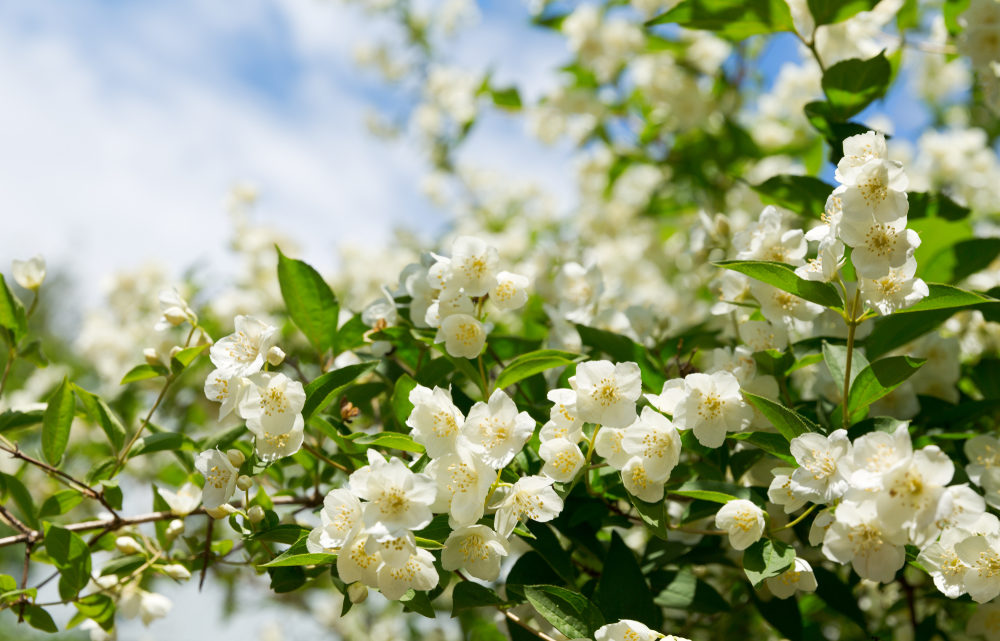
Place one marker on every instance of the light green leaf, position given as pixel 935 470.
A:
pixel 298 554
pixel 160 442
pixel 569 612
pixel 831 11
pixel 104 416
pixel 185 357
pixel 309 300
pixel 685 592
pixel 851 85
pixel 144 372
pixel 783 277
pixel 391 440
pixel 39 619
pixel 12 314
pixel 804 195
pixel 14 488
pixel 960 260
pixel 12 419
pixel 325 389
pixel 836 360
pixel 789 423
pixel 56 421
pixel 766 558
pixel 60 503
pixel 533 363
pixel 735 19
pixel 707 490
pixel 401 405
pixel 877 380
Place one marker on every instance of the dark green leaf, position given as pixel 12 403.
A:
pixel 401 405
pixel 838 596
pixel 419 602
pixel 783 277
pixel 877 380
pixel 851 85
pixel 533 363
pixel 56 421
pixel 774 444
pixel 685 592
pixel 569 612
pixel 736 19
pixel 804 195
pixel 16 490
pixel 60 503
pixel 707 490
pixel 654 515
pixel 766 558
pixel 162 441
pixel 144 372
pixel 831 11
pixel 71 555
pixel 962 259
pixel 947 297
pixel 788 422
pixel 286 579
pixel 622 591
pixel 12 419
pixel 309 300
pixel 547 545
pixel 103 415
pixel 326 388
pixel 472 595
pixel 124 565
pixel 98 607
pixel 926 204
pixel 783 614
pixel 623 349
pixel 39 619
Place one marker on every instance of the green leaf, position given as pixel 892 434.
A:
pixel 877 380
pixel 622 591
pixel 60 503
pixel 851 85
pixel 144 372
pixel 789 423
pixel 569 612
pixel 962 259
pixel 391 440
pixel 286 579
pixel 98 607
pixel 804 195
pixel 39 619
pixel 547 545
pixel 533 363
pixel 124 565
pixel 16 490
pixel 12 312
pixel 7 583
pixel 12 419
pixel 309 300
pixel 654 515
pixel 469 595
pixel 419 602
pixel 298 555
pixel 56 421
pixel 937 205
pixel 623 349
pixel 160 442
pixel 836 360
pixel 783 277
pixel 947 297
pixel 71 555
pixel 822 117
pixel 774 444
pixel 767 558
pixel 782 614
pixel 838 596
pixel 32 352
pixel 400 401
pixel 831 11
pixel 328 387
pixel 736 19
pixel 185 357
pixel 707 490
pixel 685 592
pixel 506 98
pixel 100 413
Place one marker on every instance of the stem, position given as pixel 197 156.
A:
pixel 797 520
pixel 324 458
pixel 485 381
pixel 120 459
pixel 586 462
pixel 852 324
pixel 59 475
pixel 207 552
pixel 11 355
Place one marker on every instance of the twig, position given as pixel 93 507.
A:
pixel 518 620
pixel 315 452
pixel 207 552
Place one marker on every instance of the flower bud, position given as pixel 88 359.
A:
pixel 236 457
pixel 175 316
pixel 175 528
pixel 177 571
pixel 275 356
pixel 152 358
pixel 128 545
pixel 244 482
pixel 220 512
pixel 357 592
pixel 175 350
pixel 30 273
pixel 255 514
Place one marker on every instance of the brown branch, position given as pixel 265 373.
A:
pixel 113 524
pixel 16 452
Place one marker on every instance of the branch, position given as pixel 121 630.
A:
pixel 113 524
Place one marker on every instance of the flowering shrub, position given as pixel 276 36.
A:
pixel 722 396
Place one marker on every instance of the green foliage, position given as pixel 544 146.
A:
pixel 736 19
pixel 783 277
pixel 851 85
pixel 878 379
pixel 71 555
pixel 788 422
pixel 533 363
pixel 56 422
pixel 804 195
pixel 12 315
pixel 831 11
pixel 310 302
pixel 767 558
pixel 569 612
pixel 328 387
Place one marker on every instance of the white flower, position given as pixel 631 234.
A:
pixel 435 420
pixel 220 478
pixel 878 246
pixel 742 520
pixel 627 630
pixel 859 150
pixel 653 438
pixel 777 305
pixel 149 606
pixel 563 459
pixel 511 291
pixel 463 336
pixel 781 490
pixel 176 311
pixel 608 444
pixel 860 536
pixel 983 452
pixel 97 633
pixel 912 490
pixel 447 304
pixel 564 421
pixel 30 273
pixel 531 497
pixel 982 555
pixel 417 572
pixel 398 499
pixel 896 290
pixel 273 410
pixel 606 393
pixel 874 454
pixel 340 519
pixel 819 478
pixel 476 549
pixel 942 563
pixel 463 481
pixel 762 335
pixel 879 191
pixel 227 390
pixel 473 266
pixel 707 404
pixel 799 577
pixel 243 352
pixel 829 258
pixel 985 621
pixel 497 430
pixel 176 571
pixel 638 479
pixel 184 501
pixel 355 563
